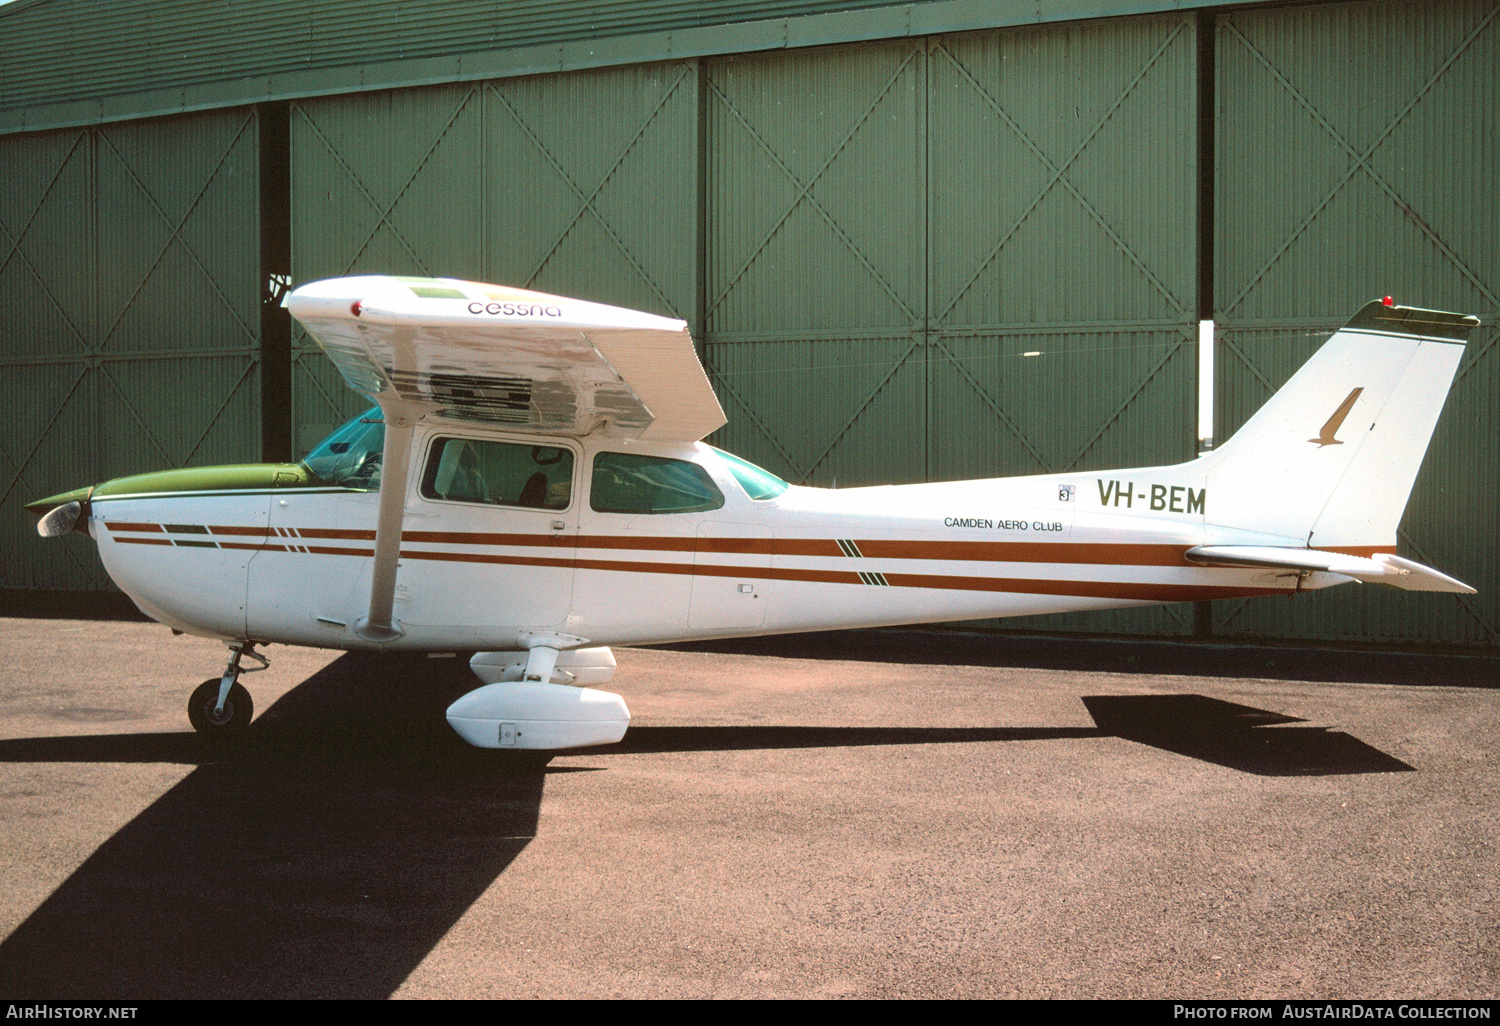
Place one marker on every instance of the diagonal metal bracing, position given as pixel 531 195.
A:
pixel 1360 159
pixel 1238 607
pixel 310 376
pixel 1477 353
pixel 1249 363
pixel 21 469
pixel 1171 610
pixel 384 211
pixel 804 192
pixel 1120 410
pixel 176 234
pixel 988 400
pixel 40 203
pixel 359 185
pixel 135 415
pixel 864 405
pixel 18 237
pixel 721 383
pixel 1058 173
pixel 587 201
pixel 214 420
pixel 1467 601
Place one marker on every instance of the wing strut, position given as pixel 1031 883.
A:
pixel 380 625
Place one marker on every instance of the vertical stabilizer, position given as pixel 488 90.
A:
pixel 1330 459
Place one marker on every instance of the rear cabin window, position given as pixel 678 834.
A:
pixel 499 473
pixel 630 483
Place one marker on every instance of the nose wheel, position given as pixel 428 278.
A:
pixel 220 706
pixel 212 720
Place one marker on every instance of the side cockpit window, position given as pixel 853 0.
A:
pixel 631 483
pixel 499 473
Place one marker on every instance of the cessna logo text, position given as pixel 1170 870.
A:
pixel 515 309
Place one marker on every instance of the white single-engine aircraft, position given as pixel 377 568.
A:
pixel 532 486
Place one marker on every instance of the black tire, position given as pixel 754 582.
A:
pixel 237 710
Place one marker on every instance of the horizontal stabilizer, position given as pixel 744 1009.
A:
pixel 1380 568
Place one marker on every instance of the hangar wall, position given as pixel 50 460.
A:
pixel 1357 156
pixel 129 313
pixel 867 237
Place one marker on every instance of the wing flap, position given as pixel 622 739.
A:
pixel 538 363
pixel 1381 568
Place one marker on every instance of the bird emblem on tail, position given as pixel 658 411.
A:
pixel 1325 436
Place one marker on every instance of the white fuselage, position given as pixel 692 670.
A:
pixel 294 565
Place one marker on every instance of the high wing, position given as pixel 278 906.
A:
pixel 538 363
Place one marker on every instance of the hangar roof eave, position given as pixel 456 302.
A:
pixel 65 64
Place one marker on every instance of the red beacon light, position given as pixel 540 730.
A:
pixel 356 306
pixel 1387 301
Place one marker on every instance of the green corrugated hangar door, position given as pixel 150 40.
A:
pixel 580 184
pixel 1063 223
pixel 129 299
pixel 814 282
pixel 1382 121
pixel 891 227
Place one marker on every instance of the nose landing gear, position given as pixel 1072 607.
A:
pixel 221 707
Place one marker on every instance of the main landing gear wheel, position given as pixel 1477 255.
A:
pixel 235 716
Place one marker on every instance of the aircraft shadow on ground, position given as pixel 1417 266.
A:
pixel 1240 737
pixel 322 856
pixel 1156 657
pixel 327 853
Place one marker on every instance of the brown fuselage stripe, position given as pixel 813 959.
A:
pixel 1113 553
pixel 998 552
pixel 1020 585
pixel 1139 591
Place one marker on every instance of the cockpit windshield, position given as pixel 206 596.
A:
pixel 758 482
pixel 351 455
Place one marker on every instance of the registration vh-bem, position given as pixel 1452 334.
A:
pixel 531 485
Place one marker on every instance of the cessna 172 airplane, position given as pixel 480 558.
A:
pixel 531 484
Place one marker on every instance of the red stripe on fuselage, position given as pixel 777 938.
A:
pixel 1075 553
